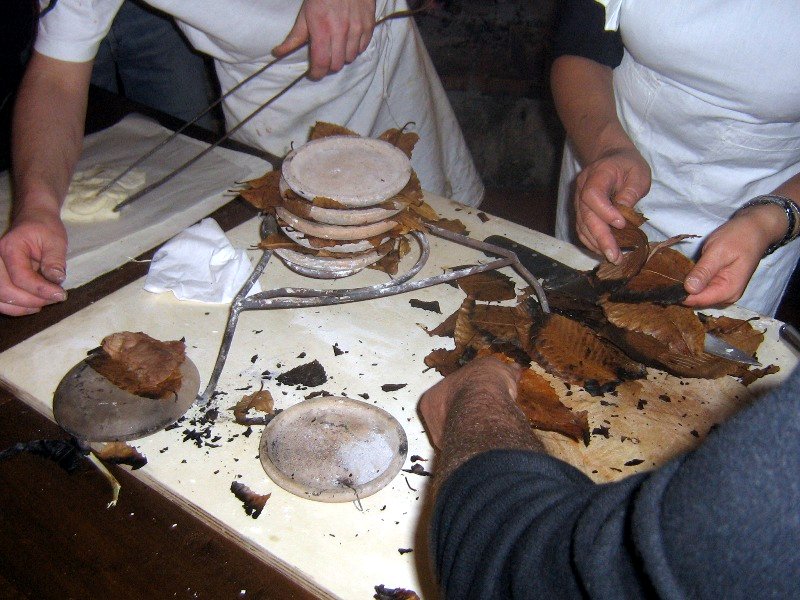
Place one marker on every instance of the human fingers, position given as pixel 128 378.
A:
pixel 595 213
pixel 34 260
pixel 14 301
pixel 296 37
pixel 722 272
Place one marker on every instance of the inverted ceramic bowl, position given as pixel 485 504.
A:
pixel 341 216
pixel 300 238
pixel 333 232
pixel 354 171
pixel 333 449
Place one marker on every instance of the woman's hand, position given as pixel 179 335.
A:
pixel 32 264
pixel 731 254
pixel 337 31
pixel 619 175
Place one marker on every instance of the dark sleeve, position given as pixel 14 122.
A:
pixel 719 522
pixel 580 31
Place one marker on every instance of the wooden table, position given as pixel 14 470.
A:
pixel 61 541
pixel 58 539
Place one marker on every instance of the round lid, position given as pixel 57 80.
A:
pixel 333 449
pixel 354 171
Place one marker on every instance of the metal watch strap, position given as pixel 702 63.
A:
pixel 792 217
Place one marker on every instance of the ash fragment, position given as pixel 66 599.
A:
pixel 384 593
pixel 633 462
pixel 67 454
pixel 417 458
pixel 254 358
pixel 665 398
pixel 318 394
pixel 364 396
pixel 391 387
pixel 310 375
pixel 338 351
pixel 604 431
pixel 432 306
pixel 404 550
pixel 418 469
pixel 483 217
pixel 641 404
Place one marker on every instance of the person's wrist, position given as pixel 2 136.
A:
pixel 775 217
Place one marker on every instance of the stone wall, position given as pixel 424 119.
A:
pixel 493 59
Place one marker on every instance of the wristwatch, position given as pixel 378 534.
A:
pixel 792 217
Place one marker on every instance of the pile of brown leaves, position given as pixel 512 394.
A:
pixel 626 317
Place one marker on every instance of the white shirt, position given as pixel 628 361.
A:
pixel 709 91
pixel 391 84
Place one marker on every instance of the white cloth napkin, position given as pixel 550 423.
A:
pixel 200 264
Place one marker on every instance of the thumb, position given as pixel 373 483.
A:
pixel 54 263
pixel 296 38
pixel 703 272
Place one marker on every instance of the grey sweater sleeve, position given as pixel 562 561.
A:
pixel 720 522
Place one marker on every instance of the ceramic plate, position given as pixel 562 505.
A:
pixel 93 409
pixel 333 449
pixel 354 171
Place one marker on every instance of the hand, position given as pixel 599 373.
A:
pixel 484 377
pixel 337 32
pixel 731 254
pixel 32 265
pixel 621 175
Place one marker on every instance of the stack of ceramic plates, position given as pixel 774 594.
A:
pixel 360 176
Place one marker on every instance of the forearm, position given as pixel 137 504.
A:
pixel 479 421
pixel 584 98
pixel 48 132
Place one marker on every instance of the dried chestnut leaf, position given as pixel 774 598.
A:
pixel 253 503
pixel 261 400
pixel 489 286
pixel 540 403
pixel 140 364
pixel 446 328
pixel 576 354
pixel 120 453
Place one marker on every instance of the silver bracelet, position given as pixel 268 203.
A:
pixel 792 217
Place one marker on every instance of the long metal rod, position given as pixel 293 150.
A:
pixel 194 159
pixel 183 127
pixel 146 190
pixel 290 297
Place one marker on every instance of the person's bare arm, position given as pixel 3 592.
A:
pixel 732 252
pixel 47 138
pixel 473 411
pixel 612 167
pixel 337 31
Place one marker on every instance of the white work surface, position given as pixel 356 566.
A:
pixel 341 550
pixel 97 248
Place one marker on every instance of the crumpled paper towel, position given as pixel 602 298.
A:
pixel 200 264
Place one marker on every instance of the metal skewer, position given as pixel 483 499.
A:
pixel 176 133
pixel 291 297
pixel 146 190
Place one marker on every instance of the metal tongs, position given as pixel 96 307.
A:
pixel 275 160
pixel 292 297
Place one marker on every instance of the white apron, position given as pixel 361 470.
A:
pixel 391 84
pixel 709 91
